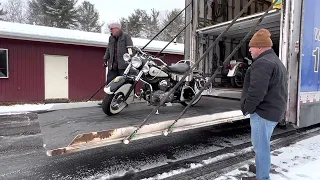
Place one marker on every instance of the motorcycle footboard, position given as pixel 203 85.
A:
pixel 69 131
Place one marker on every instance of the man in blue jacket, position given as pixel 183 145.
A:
pixel 264 97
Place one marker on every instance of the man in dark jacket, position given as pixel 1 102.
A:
pixel 117 46
pixel 264 97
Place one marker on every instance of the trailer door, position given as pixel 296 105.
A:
pixel 309 77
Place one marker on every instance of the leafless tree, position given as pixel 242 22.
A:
pixel 16 11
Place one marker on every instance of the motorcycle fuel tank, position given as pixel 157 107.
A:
pixel 157 72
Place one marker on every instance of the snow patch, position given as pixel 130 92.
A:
pixel 15 109
pixel 20 108
pixel 175 172
pixel 297 161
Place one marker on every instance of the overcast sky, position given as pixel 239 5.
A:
pixel 113 10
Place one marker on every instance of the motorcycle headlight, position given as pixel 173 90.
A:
pixel 136 62
pixel 126 57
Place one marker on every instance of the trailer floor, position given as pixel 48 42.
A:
pixel 228 93
pixel 59 127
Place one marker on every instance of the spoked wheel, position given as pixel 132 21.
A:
pixel 238 80
pixel 189 95
pixel 113 103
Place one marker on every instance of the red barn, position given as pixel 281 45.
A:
pixel 40 64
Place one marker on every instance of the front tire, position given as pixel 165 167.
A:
pixel 112 104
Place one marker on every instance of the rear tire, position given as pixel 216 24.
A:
pixel 194 103
pixel 235 84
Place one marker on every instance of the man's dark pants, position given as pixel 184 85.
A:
pixel 113 73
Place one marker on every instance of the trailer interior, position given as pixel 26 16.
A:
pixel 211 22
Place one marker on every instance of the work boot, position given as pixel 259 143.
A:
pixel 249 178
pixel 252 168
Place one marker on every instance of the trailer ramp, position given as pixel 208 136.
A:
pixel 73 130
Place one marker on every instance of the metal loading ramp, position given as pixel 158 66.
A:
pixel 67 131
pixel 243 25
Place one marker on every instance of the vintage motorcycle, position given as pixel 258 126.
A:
pixel 157 81
pixel 237 72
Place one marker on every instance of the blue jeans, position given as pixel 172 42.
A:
pixel 261 131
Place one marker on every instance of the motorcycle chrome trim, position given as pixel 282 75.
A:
pixel 148 84
pixel 160 61
pixel 145 69
pixel 185 61
pixel 127 69
pixel 139 76
pixel 178 77
pixel 126 57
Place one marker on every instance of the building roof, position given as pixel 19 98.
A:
pixel 67 36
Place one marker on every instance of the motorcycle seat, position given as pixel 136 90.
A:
pixel 179 68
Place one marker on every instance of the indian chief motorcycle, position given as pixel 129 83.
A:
pixel 157 79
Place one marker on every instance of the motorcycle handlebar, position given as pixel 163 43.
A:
pixel 153 58
pixel 159 60
pixel 136 48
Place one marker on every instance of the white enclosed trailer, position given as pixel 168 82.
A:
pixel 295 34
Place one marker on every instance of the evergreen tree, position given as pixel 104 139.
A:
pixel 62 13
pixel 54 13
pixel 141 24
pixel 154 24
pixel 175 27
pixel 125 25
pixel 88 18
pixel 135 23
pixel 35 14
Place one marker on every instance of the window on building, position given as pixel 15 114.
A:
pixel 4 63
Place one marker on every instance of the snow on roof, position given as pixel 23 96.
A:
pixel 67 36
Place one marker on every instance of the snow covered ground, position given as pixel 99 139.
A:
pixel 44 107
pixel 296 162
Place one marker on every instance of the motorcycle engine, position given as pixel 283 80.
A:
pixel 158 95
pixel 164 85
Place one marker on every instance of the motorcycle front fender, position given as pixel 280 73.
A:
pixel 115 84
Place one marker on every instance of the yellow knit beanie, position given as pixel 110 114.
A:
pixel 261 39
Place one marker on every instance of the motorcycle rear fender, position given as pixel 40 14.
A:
pixel 115 84
pixel 232 72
